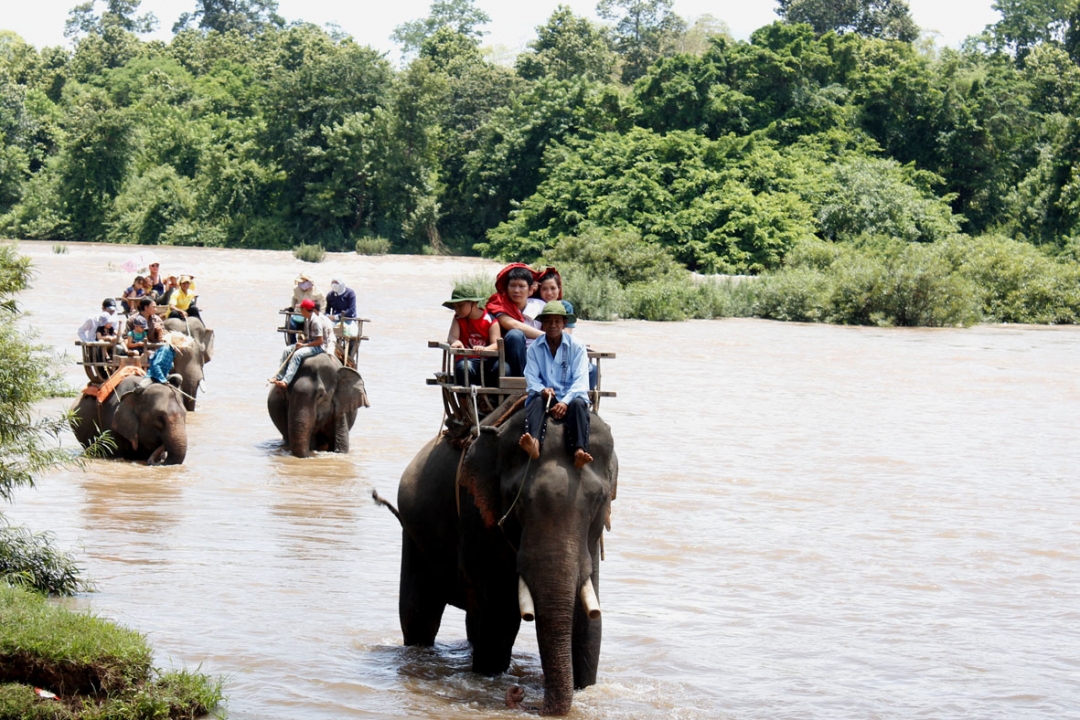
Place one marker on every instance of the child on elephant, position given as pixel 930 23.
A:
pixel 472 327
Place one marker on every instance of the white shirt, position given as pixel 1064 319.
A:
pixel 533 307
pixel 88 330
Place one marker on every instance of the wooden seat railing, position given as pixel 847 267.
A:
pixel 458 399
pixel 100 361
pixel 345 348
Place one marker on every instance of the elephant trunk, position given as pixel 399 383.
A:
pixel 301 426
pixel 556 595
pixel 174 441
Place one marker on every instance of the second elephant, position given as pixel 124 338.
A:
pixel 319 408
pixel 188 363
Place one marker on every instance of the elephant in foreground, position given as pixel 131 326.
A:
pixel 524 544
pixel 147 421
pixel 319 408
pixel 189 362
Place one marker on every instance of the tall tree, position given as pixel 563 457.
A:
pixel 247 17
pixel 888 19
pixel 567 47
pixel 1025 24
pixel 644 31
pixel 118 15
pixel 461 16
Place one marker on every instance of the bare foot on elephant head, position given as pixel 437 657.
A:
pixel 530 445
pixel 279 383
pixel 581 458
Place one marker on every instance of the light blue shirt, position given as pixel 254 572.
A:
pixel 567 372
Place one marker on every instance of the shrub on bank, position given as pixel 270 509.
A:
pixel 1017 282
pixel 31 560
pixel 475 285
pixel 372 246
pixel 309 253
pixel 96 668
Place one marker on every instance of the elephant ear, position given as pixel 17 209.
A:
pixel 208 345
pixel 126 419
pixel 479 474
pixel 350 393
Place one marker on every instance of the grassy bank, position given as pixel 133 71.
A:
pixel 96 669
pixel 958 281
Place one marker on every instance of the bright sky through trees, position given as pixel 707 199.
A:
pixel 512 24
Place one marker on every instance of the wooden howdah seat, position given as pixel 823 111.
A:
pixel 100 360
pixel 466 405
pixel 346 349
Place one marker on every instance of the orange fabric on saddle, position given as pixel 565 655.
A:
pixel 109 385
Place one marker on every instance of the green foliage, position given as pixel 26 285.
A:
pixel 27 375
pixel 643 31
pixel 30 560
pixel 474 285
pixel 1026 24
pixel 246 17
pixel 150 206
pixel 102 671
pixel 372 246
pixel 309 253
pixel 567 47
pixel 701 199
pixel 1017 283
pixel 459 16
pixel 873 18
pixel 870 196
pixel 60 249
pixel 615 252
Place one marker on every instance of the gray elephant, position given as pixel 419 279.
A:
pixel 506 538
pixel 189 362
pixel 319 408
pixel 147 421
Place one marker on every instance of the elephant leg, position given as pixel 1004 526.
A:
pixel 493 626
pixel 421 599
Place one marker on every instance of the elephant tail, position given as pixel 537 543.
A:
pixel 380 500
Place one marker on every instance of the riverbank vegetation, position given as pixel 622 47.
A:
pixel 89 668
pixel 837 157
pixel 97 670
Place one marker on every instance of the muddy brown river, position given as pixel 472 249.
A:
pixel 812 521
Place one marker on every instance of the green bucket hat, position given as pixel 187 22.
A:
pixel 555 307
pixel 459 296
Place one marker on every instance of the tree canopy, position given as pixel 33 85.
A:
pixel 828 126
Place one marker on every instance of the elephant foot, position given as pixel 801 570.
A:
pixel 158 456
pixel 581 458
pixel 514 696
pixel 530 445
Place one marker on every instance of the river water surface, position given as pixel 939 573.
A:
pixel 812 521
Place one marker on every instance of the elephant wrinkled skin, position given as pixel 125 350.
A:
pixel 555 516
pixel 147 421
pixel 319 407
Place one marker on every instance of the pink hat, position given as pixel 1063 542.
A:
pixel 307 304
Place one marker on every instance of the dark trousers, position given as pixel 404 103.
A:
pixel 472 366
pixel 192 311
pixel 514 349
pixel 576 421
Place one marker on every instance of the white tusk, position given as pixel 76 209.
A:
pixel 589 601
pixel 525 603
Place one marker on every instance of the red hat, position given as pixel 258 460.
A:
pixel 307 304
